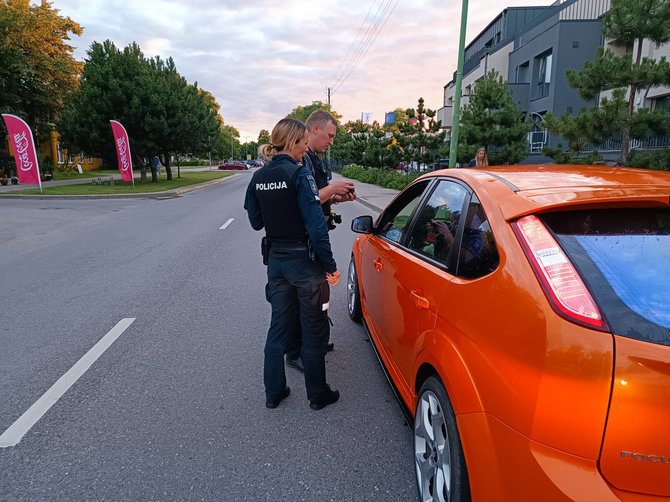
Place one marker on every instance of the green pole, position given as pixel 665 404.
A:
pixel 456 118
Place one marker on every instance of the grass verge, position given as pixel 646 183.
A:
pixel 119 187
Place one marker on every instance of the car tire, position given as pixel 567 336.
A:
pixel 353 294
pixel 441 473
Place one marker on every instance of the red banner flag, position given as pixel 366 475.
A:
pixel 23 144
pixel 122 150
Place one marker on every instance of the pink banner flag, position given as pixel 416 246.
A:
pixel 122 150
pixel 23 145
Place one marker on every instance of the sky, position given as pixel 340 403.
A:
pixel 262 58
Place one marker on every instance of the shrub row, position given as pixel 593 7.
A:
pixel 381 177
pixel 193 163
pixel 655 159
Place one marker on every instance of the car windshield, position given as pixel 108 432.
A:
pixel 623 256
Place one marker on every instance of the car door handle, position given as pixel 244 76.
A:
pixel 378 265
pixel 419 300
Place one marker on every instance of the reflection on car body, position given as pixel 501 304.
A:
pixel 530 339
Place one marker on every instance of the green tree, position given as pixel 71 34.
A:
pixel 421 137
pixel 37 69
pixel 229 145
pixel 591 126
pixel 492 119
pixel 628 23
pixel 263 137
pixel 302 112
pixel 163 114
pixel 12 61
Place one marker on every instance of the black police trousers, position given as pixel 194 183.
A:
pixel 296 287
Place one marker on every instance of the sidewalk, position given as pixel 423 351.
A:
pixel 372 196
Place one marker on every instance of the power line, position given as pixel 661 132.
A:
pixel 378 23
pixel 332 79
pixel 363 43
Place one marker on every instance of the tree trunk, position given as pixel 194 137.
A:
pixel 168 169
pixel 143 170
pixel 625 136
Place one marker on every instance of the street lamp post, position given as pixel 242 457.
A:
pixel 246 146
pixel 456 117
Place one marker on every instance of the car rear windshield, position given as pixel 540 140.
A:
pixel 623 256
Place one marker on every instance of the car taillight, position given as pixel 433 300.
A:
pixel 561 282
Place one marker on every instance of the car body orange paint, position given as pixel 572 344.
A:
pixel 546 409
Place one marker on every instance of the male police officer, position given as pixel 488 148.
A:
pixel 322 128
pixel 283 198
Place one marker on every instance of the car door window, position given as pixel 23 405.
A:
pixel 396 217
pixel 478 254
pixel 434 232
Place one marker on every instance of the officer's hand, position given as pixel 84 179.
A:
pixel 343 198
pixel 333 278
pixel 341 187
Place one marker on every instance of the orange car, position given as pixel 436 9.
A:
pixel 522 314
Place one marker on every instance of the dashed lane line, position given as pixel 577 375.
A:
pixel 225 225
pixel 24 423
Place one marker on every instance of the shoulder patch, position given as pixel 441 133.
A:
pixel 312 185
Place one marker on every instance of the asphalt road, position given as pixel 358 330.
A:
pixel 174 408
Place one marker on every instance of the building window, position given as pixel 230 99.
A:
pixel 89 159
pixel 662 103
pixel 543 65
pixel 61 159
pixel 523 75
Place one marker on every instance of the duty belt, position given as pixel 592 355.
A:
pixel 289 245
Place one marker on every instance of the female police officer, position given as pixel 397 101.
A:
pixel 283 198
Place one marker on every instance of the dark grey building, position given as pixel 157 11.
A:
pixel 532 48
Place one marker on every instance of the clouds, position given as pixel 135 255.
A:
pixel 262 58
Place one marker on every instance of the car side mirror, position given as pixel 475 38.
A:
pixel 362 224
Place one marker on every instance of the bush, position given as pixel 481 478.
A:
pixel 47 166
pixel 653 159
pixel 561 156
pixel 194 163
pixel 381 177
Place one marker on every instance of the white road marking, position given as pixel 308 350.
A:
pixel 223 227
pixel 23 424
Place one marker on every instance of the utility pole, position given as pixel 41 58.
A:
pixel 456 116
pixel 330 173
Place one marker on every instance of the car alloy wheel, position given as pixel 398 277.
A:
pixel 353 297
pixel 438 457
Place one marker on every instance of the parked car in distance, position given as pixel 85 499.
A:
pixel 522 314
pixel 254 163
pixel 234 165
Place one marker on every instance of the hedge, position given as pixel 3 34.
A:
pixel 381 177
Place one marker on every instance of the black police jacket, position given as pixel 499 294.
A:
pixel 312 162
pixel 283 198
